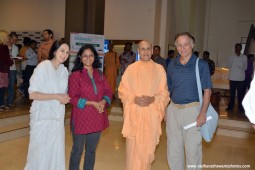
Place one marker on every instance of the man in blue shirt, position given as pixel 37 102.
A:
pixel 170 57
pixel 157 58
pixel 184 108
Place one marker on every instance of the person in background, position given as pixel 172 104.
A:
pixel 170 57
pixel 44 48
pixel 22 53
pixel 62 40
pixel 90 96
pixel 237 67
pixel 144 94
pixel 127 57
pixel 18 67
pixel 157 58
pixel 186 145
pixel 5 63
pixel 206 57
pixel 111 63
pixel 14 51
pixel 248 103
pixel 196 53
pixel 48 90
pixel 32 62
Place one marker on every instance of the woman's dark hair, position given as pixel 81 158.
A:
pixel 55 46
pixel 78 65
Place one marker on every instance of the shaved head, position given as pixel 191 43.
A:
pixel 144 41
pixel 145 50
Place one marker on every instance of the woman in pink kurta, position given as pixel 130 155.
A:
pixel 90 95
pixel 144 94
pixel 5 63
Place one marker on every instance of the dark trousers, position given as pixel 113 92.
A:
pixel 90 142
pixel 236 86
pixel 28 73
pixel 2 92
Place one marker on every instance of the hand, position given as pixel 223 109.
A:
pixel 144 101
pixel 201 119
pixel 102 105
pixel 99 107
pixel 149 99
pixel 64 98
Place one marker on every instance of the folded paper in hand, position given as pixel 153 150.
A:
pixel 195 123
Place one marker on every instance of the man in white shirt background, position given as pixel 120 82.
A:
pixel 237 67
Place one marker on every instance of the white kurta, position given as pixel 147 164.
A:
pixel 47 137
pixel 249 102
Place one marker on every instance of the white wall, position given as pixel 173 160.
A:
pixel 189 16
pixel 226 22
pixel 129 20
pixel 33 15
pixel 138 20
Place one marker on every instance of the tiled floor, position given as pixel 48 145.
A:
pixel 111 149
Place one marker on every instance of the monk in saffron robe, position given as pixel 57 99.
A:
pixel 111 63
pixel 144 94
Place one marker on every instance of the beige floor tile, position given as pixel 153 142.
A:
pixel 111 151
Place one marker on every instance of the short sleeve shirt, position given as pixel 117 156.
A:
pixel 182 82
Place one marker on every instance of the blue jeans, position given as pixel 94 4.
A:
pixel 12 80
pixel 90 141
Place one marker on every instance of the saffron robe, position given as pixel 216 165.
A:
pixel 142 125
pixel 47 134
pixel 111 63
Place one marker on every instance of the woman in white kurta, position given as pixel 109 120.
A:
pixel 249 103
pixel 48 88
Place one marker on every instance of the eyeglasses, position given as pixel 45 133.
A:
pixel 88 56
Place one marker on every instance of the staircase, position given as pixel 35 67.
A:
pixel 18 126
pixel 235 128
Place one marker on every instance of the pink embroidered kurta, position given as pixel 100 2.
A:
pixel 88 120
pixel 5 63
pixel 142 125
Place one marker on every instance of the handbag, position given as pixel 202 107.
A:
pixel 209 128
